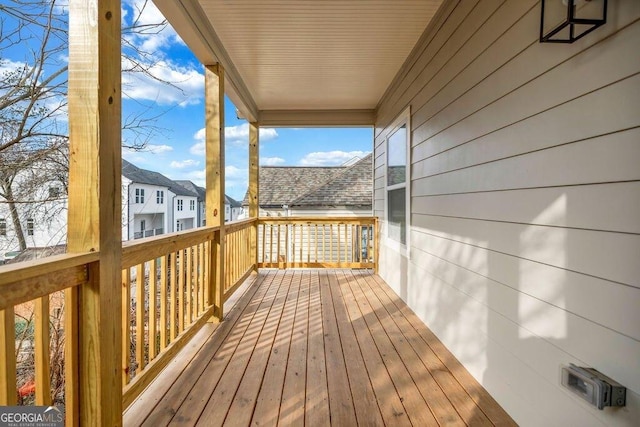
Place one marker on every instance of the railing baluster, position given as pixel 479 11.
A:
pixel 163 302
pixel 189 274
pixel 126 324
pixel 200 279
pixel 42 354
pixel 140 302
pixel 153 301
pixel 8 395
pixel 180 294
pixel 173 297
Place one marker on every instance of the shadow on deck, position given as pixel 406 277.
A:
pixel 316 347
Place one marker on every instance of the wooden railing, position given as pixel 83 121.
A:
pixel 166 298
pixel 168 292
pixel 313 242
pixel 26 291
pixel 239 262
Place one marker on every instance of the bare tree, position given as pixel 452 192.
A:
pixel 33 105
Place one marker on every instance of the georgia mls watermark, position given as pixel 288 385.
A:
pixel 31 416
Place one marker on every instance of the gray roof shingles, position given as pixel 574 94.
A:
pixel 202 193
pixel 349 186
pixel 143 176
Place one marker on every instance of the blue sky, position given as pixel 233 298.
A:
pixel 175 138
pixel 177 149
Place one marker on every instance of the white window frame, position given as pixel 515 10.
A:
pixel 404 119
pixel 31 227
pixel 139 195
pixel 3 227
pixel 160 197
pixel 192 205
pixel 180 205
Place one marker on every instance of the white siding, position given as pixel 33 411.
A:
pixel 525 203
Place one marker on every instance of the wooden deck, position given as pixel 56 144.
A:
pixel 316 347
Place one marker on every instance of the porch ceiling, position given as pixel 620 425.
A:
pixel 291 61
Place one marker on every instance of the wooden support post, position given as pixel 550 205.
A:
pixel 254 188
pixel 94 216
pixel 214 100
pixel 8 393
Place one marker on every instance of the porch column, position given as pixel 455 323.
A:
pixel 214 131
pixel 254 187
pixel 94 380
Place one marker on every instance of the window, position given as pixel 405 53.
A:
pixel 398 175
pixel 143 225
pixel 192 205
pixel 160 197
pixel 54 192
pixel 139 195
pixel 180 204
pixel 30 229
pixel 179 225
pixel 3 227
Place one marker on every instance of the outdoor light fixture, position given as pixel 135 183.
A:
pixel 565 21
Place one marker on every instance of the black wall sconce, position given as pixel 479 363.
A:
pixel 565 21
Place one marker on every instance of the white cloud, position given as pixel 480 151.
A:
pixel 237 135
pixel 197 149
pixel 236 181
pixel 163 82
pixel 184 164
pixel 235 172
pixel 271 161
pixel 158 149
pixel 240 134
pixel 150 36
pixel 330 158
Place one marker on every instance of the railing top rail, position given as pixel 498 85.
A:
pixel 230 227
pixel 24 281
pixel 136 251
pixel 313 219
pixel 10 273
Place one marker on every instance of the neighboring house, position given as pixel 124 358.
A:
pixel 201 193
pixel 316 191
pixel 232 208
pixel 154 204
pixel 41 209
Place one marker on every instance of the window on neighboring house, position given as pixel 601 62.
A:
pixel 139 195
pixel 3 227
pixel 398 175
pixel 30 227
pixel 178 225
pixel 159 197
pixel 143 225
pixel 180 204
pixel 54 192
pixel 192 205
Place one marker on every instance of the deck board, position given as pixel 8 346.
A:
pixel 316 347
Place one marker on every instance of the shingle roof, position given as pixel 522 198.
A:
pixel 351 187
pixel 200 191
pixel 279 185
pixel 316 186
pixel 143 176
pixel 232 202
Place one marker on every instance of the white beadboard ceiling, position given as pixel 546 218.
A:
pixel 302 55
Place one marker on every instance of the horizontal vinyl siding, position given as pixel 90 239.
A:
pixel 525 207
